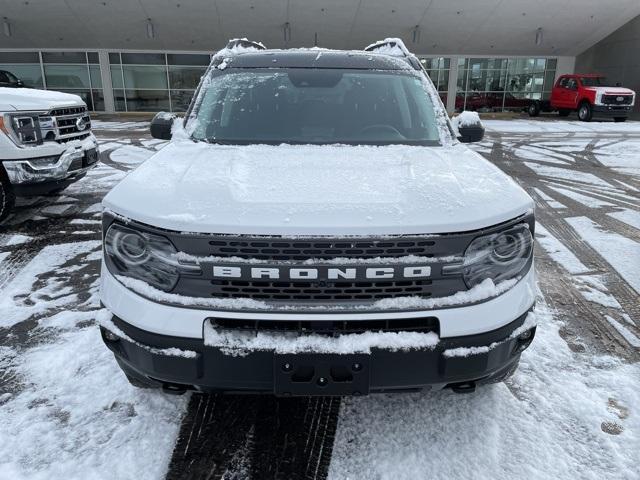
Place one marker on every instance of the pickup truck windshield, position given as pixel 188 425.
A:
pixel 594 81
pixel 317 106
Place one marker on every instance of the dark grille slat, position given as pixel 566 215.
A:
pixel 330 327
pixel 319 291
pixel 613 99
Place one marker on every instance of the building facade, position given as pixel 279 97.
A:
pixel 151 81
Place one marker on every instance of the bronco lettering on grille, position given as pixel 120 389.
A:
pixel 322 273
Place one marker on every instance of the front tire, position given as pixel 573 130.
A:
pixel 585 112
pixel 619 119
pixel 7 198
pixel 534 109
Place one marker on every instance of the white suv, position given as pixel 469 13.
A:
pixel 316 227
pixel 45 143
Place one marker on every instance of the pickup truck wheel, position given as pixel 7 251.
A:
pixel 585 112
pixel 7 198
pixel 534 109
pixel 564 112
pixel 619 119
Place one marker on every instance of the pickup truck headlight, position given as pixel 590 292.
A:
pixel 22 128
pixel 498 256
pixel 143 256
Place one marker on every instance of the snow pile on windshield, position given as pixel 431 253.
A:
pixel 466 119
pixel 241 343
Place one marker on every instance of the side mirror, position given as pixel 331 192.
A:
pixel 161 125
pixel 469 127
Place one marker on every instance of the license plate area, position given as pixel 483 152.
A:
pixel 321 374
pixel 90 157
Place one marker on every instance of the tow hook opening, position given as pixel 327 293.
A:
pixel 464 387
pixel 524 340
pixel 174 388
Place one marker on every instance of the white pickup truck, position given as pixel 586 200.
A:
pixel 45 143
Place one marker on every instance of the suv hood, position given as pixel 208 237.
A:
pixel 12 99
pixel 317 190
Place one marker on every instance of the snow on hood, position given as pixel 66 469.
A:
pixel 612 90
pixel 317 190
pixel 31 99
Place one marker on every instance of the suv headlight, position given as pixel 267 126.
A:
pixel 143 256
pixel 498 256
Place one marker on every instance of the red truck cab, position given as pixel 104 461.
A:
pixel 588 94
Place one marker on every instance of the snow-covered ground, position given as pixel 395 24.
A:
pixel 572 410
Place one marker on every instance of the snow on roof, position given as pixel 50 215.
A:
pixel 389 46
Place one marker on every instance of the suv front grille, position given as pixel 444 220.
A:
pixel 321 291
pixel 613 99
pixel 288 250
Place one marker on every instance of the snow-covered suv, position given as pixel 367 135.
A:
pixel 315 227
pixel 45 143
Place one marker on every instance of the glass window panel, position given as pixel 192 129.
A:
pixel 147 100
pixel 85 95
pixel 143 58
pixel 145 77
pixel 185 77
pixel 19 57
pixel 537 82
pixel 64 57
pixel 31 75
pixel 66 76
pixel 98 100
pixel 116 76
pixel 443 82
pixel 93 57
pixel 96 79
pixel 519 82
pixel 445 63
pixel 462 80
pixel 549 76
pixel 462 62
pixel 180 100
pixel 118 100
pixel 188 59
pixel 114 58
pixel 552 63
pixel 540 64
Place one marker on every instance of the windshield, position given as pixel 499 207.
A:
pixel 318 106
pixel 594 81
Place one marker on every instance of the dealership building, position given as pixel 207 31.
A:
pixel 148 55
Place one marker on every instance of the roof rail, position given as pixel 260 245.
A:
pixel 394 47
pixel 244 43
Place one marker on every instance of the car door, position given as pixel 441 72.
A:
pixel 571 93
pixel 558 93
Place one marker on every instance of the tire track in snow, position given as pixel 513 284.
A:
pixel 255 437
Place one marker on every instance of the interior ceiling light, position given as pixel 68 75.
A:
pixel 539 36
pixel 416 34
pixel 6 27
pixel 150 30
pixel 287 32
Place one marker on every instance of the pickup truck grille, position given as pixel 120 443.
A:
pixel 65 124
pixel 617 99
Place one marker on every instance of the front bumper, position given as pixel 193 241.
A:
pixel 611 111
pixel 41 174
pixel 146 358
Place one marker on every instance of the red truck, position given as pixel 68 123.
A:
pixel 588 94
